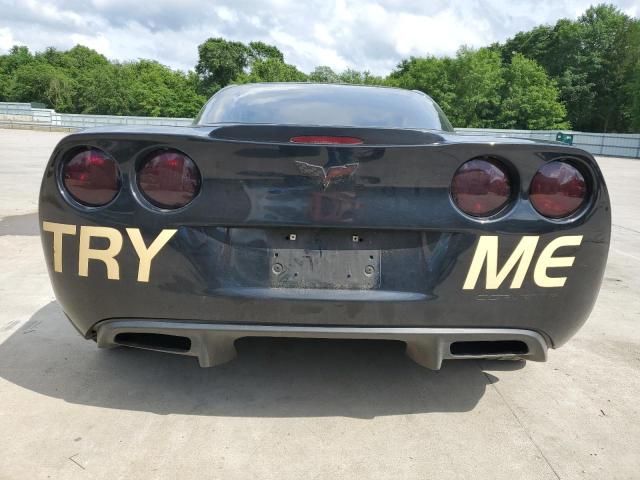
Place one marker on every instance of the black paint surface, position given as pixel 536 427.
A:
pixel 218 267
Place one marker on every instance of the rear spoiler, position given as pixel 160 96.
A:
pixel 285 133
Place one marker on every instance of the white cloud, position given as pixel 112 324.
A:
pixel 226 14
pixel 360 34
pixel 6 39
pixel 98 42
pixel 421 34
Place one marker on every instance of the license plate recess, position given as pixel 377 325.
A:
pixel 351 269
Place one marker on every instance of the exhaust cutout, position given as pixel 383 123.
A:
pixel 497 347
pixel 154 341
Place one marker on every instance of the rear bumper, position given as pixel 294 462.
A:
pixel 213 344
pixel 226 276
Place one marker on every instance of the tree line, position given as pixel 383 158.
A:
pixel 582 74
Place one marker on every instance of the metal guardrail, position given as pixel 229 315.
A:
pixel 26 115
pixel 77 120
pixel 608 144
pixel 35 126
pixel 23 115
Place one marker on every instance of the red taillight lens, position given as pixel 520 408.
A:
pixel 169 179
pixel 481 187
pixel 326 140
pixel 557 190
pixel 91 177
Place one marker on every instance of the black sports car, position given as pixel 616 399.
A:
pixel 331 211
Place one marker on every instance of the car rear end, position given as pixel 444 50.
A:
pixel 462 247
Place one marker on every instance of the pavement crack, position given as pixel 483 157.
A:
pixel 71 458
pixel 515 415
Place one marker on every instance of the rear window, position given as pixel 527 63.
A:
pixel 323 105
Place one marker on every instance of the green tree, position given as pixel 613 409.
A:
pixel 477 80
pixel 323 74
pixel 468 87
pixel 84 65
pixel 359 78
pixel 633 92
pixel 219 63
pixel 107 91
pixel 592 59
pixel 5 82
pixel 611 39
pixel 81 80
pixel 530 98
pixel 17 57
pixel 44 83
pixel 476 89
pixel 430 75
pixel 262 51
pixel 271 70
pixel 160 91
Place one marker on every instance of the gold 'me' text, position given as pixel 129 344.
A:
pixel 486 255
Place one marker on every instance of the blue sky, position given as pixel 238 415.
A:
pixel 365 35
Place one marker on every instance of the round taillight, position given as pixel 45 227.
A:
pixel 481 187
pixel 169 179
pixel 557 190
pixel 91 177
